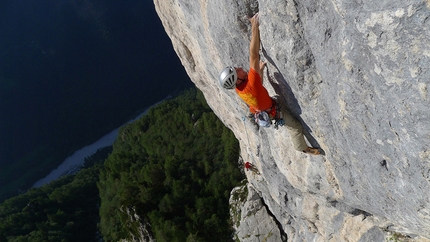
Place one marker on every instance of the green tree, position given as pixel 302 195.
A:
pixel 64 210
pixel 175 167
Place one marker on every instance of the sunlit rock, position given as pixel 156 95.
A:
pixel 356 74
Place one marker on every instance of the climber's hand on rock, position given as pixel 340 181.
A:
pixel 262 65
pixel 255 20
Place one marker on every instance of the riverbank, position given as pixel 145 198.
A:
pixel 74 163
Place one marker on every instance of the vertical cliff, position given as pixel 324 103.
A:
pixel 356 74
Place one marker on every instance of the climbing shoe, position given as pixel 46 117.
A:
pixel 312 151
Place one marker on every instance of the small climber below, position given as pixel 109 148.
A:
pixel 249 87
pixel 251 167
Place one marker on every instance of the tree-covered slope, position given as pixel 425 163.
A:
pixel 64 210
pixel 174 168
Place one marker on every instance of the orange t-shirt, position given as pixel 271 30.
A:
pixel 254 93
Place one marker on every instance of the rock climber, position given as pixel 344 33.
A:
pixel 251 167
pixel 249 87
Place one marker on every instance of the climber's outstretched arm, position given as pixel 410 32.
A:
pixel 254 48
pixel 260 71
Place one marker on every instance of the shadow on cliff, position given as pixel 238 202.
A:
pixel 288 98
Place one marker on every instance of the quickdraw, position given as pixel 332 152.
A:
pixel 274 113
pixel 279 121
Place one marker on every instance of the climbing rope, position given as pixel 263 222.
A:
pixel 247 137
pixel 279 121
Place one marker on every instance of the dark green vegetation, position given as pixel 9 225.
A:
pixel 64 210
pixel 174 168
pixel 71 72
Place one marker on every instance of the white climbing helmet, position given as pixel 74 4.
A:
pixel 228 77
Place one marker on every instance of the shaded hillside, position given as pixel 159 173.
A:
pixel 71 72
pixel 63 210
pixel 174 168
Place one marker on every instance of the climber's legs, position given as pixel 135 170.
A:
pixel 295 129
pixel 254 169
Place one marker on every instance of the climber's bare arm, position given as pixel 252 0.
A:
pixel 254 48
pixel 261 69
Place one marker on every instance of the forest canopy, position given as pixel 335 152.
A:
pixel 63 210
pixel 174 168
pixel 168 175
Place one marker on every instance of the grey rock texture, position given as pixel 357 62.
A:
pixel 143 228
pixel 356 74
pixel 251 219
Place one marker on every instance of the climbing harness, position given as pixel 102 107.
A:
pixel 264 118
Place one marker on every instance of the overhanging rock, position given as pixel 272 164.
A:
pixel 356 74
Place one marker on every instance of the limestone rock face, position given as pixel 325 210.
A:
pixel 356 74
pixel 251 219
